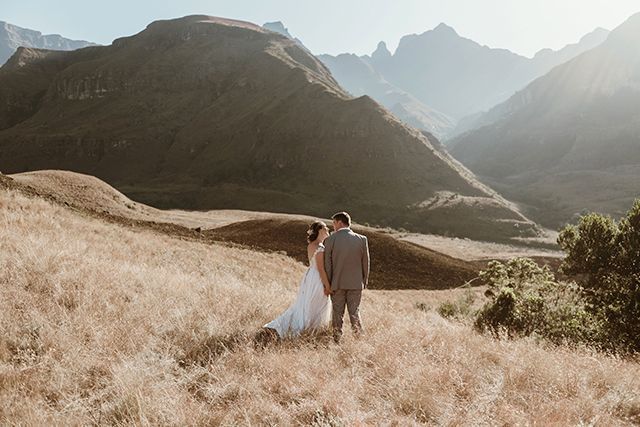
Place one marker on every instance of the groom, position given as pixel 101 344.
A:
pixel 346 261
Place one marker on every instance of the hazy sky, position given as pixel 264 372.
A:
pixel 336 26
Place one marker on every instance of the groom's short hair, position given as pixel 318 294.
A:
pixel 343 217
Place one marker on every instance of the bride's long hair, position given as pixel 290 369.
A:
pixel 314 230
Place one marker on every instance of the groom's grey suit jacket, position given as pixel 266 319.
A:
pixel 346 260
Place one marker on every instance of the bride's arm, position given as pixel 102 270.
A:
pixel 323 273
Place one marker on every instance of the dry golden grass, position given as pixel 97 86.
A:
pixel 107 325
pixel 472 250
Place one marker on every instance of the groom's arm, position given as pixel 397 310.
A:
pixel 365 262
pixel 328 258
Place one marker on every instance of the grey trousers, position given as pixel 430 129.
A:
pixel 351 299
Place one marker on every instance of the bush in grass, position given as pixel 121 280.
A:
pixel 525 299
pixel 600 307
pixel 604 258
pixel 458 309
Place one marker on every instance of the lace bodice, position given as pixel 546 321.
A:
pixel 312 261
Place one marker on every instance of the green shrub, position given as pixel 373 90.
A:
pixel 600 307
pixel 525 299
pixel 447 310
pixel 604 257
pixel 458 309
pixel 422 306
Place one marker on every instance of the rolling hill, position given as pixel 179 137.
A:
pixel 203 112
pixel 405 265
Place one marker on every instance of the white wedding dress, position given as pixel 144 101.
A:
pixel 310 311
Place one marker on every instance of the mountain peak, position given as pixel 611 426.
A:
pixel 381 52
pixel 628 31
pixel 587 42
pixel 597 31
pixel 277 27
pixel 595 37
pixel 203 19
pixel 443 28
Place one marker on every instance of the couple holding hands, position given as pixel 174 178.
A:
pixel 338 272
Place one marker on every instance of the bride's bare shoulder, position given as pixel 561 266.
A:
pixel 311 247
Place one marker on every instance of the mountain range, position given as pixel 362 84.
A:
pixel 446 75
pixel 361 78
pixel 12 37
pixel 570 141
pixel 203 112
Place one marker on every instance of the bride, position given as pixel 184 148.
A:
pixel 311 309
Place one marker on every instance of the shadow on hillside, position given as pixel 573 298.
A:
pixel 395 264
pixel 211 348
pixel 208 350
pixel 268 338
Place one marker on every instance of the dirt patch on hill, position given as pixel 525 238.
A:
pixel 395 264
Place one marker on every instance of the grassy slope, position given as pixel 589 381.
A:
pixel 405 266
pixel 106 324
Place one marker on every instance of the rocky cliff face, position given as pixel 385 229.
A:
pixel 204 112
